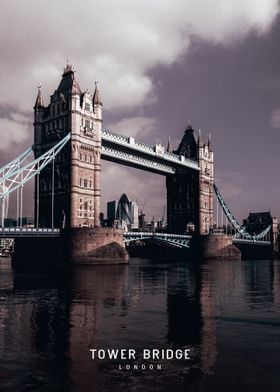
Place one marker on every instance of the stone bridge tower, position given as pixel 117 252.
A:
pixel 69 192
pixel 190 193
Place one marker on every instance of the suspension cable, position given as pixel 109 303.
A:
pixel 239 230
pixel 52 210
pixel 19 177
pixel 37 198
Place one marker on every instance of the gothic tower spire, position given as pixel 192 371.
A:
pixel 169 146
pixel 39 103
pixel 96 100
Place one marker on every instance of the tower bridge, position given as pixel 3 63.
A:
pixel 75 195
pixel 69 144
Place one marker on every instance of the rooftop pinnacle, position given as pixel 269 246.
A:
pixel 39 100
pixel 96 95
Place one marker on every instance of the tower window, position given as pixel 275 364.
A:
pixel 87 107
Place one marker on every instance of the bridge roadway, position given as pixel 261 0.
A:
pixel 173 239
pixel 127 151
pixel 240 241
pixel 178 240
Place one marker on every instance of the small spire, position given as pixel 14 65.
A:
pixel 169 147
pixel 96 100
pixel 69 68
pixel 199 139
pixel 39 100
pixel 209 139
pixel 188 126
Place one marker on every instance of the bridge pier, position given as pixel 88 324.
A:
pixel 95 245
pixel 255 251
pixel 217 247
pixel 74 246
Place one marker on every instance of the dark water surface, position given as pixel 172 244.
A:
pixel 227 313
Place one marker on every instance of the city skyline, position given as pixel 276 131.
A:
pixel 155 73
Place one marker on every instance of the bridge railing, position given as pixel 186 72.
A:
pixel 25 231
pixel 151 234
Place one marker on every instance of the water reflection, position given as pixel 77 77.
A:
pixel 226 312
pixel 259 278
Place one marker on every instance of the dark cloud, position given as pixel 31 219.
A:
pixel 216 65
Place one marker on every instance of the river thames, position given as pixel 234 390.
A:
pixel 224 314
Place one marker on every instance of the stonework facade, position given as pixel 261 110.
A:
pixel 190 193
pixel 69 189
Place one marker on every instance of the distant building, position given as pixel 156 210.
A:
pixel 134 215
pixel 123 213
pixel 259 221
pixel 112 210
pixel 101 218
pixel 26 221
pixel 142 222
pixel 10 222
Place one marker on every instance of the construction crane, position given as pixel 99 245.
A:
pixel 163 213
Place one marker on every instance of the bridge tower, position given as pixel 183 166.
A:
pixel 190 193
pixel 69 190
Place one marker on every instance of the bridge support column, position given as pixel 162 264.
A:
pixel 218 247
pixel 74 246
pixel 95 246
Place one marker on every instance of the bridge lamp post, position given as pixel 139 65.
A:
pixel 17 206
pixel 52 209
pixel 37 198
pixel 21 205
pixel 3 212
pixel 5 203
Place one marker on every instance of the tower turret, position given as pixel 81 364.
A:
pixel 169 146
pixel 39 103
pixel 39 109
pixel 96 102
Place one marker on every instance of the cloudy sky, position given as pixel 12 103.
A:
pixel 160 63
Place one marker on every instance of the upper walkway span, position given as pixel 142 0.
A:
pixel 127 151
